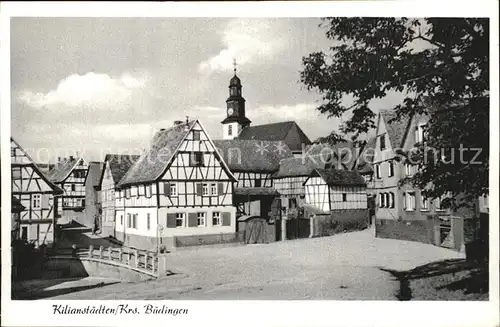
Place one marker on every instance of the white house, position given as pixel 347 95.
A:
pixel 179 191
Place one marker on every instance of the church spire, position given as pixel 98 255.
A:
pixel 234 65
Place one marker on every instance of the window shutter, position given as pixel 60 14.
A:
pixel 220 188
pixel 192 219
pixel 166 189
pixel 45 201
pixel 199 189
pixel 170 220
pixel 226 219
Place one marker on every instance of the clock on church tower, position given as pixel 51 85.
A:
pixel 235 120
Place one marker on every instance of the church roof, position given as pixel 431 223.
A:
pixel 340 177
pixel 154 162
pixel 288 132
pixel 241 120
pixel 252 155
pixel 235 81
pixel 119 164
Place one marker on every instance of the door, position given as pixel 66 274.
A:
pixel 255 231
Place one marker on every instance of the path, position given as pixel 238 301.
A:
pixel 340 267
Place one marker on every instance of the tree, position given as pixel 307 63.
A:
pixel 440 65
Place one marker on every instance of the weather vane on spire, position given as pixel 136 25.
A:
pixel 234 65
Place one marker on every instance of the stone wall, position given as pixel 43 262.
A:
pixel 410 230
pixel 339 221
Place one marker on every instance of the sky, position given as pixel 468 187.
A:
pixel 91 86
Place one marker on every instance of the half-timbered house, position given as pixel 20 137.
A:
pixel 338 190
pixel 93 207
pixel 69 174
pixel 36 193
pixel 113 207
pixel 179 191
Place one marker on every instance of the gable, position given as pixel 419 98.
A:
pixel 409 139
pixel 21 159
pixel 182 166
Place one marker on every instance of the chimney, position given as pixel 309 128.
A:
pixel 71 158
pixel 186 128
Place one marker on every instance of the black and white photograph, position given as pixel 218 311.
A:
pixel 322 158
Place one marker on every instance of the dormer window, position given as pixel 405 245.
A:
pixel 382 142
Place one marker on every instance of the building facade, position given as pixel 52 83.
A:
pixel 69 174
pixel 37 194
pixel 179 191
pixel 93 209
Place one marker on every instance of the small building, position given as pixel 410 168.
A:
pixel 115 167
pixel 69 174
pixel 178 193
pixel 93 209
pixel 336 190
pixel 37 194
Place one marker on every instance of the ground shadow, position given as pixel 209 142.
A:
pixel 473 277
pixel 41 294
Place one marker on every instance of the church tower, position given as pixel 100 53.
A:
pixel 235 115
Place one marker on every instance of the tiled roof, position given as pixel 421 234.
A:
pixel 62 169
pixel 94 173
pixel 252 155
pixel 301 166
pixel 340 177
pixel 396 129
pixel 119 164
pixel 255 191
pixel 277 132
pixel 153 163
pixel 344 151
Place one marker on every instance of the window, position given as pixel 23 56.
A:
pixel 73 187
pixel 213 189
pixel 377 171
pixel 129 220
pixel 173 189
pixel 201 219
pixel 391 169
pixel 121 220
pixel 408 169
pixel 292 203
pixel 391 200
pixel 410 201
pixel 196 159
pixel 83 202
pixel 148 221
pixel 127 193
pixel 196 135
pixel 420 133
pixel 36 201
pixel 205 189
pixel 417 135
pixel 424 203
pixel 24 233
pixel 230 130
pixel 382 142
pixel 344 197
pixel 437 202
pixel 147 190
pixel 134 220
pixel 381 200
pixel 179 219
pixel 216 221
pixel 12 152
pixel 258 182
